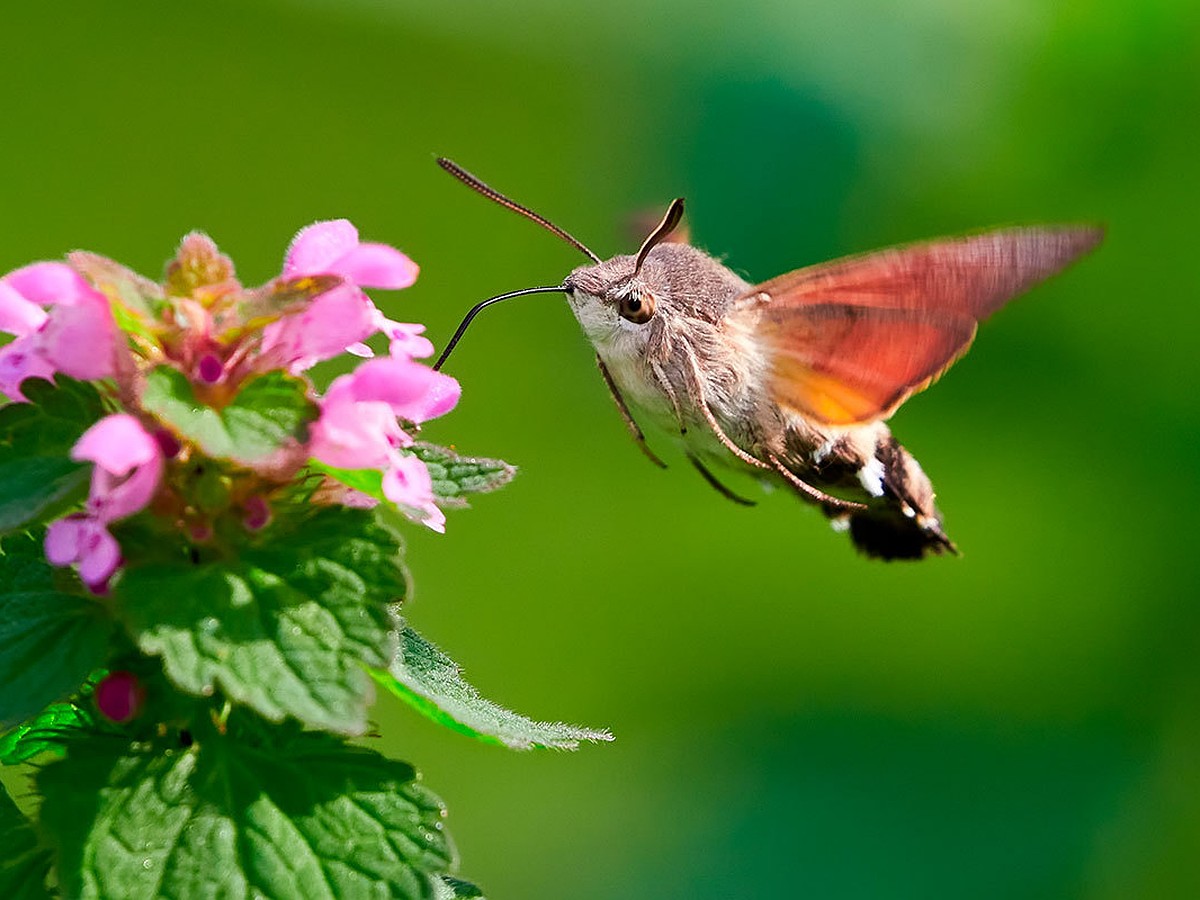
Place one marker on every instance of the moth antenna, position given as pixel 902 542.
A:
pixel 668 224
pixel 479 307
pixel 492 194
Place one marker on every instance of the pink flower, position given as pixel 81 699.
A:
pixel 407 484
pixel 77 337
pixel 358 427
pixel 414 392
pixel 333 248
pixel 128 468
pixel 341 318
pixel 406 340
pixel 129 464
pixel 84 541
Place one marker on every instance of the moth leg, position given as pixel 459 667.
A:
pixel 665 383
pixel 720 488
pixel 827 500
pixel 708 476
pixel 696 384
pixel 623 408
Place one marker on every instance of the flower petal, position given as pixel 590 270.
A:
pixel 315 247
pixel 414 392
pixel 100 556
pixel 129 466
pixel 18 314
pixel 407 484
pixel 62 541
pixel 18 361
pixel 48 283
pixel 353 434
pixel 377 266
pixel 406 339
pixel 334 321
pixel 83 540
pixel 117 443
pixel 80 339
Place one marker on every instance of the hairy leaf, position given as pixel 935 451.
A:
pixel 431 682
pixel 285 628
pixel 455 475
pixel 229 817
pixel 50 640
pixel 38 479
pixel 265 415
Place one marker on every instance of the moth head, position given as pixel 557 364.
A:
pixel 625 284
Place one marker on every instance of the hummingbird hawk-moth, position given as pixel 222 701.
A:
pixel 793 379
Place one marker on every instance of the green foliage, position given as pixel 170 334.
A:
pixel 456 889
pixel 452 475
pixel 251 810
pixel 286 626
pixel 50 639
pixel 266 414
pixel 455 475
pixel 38 480
pixel 432 683
pixel 23 863
pixel 47 732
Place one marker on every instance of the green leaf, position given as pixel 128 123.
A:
pixel 455 475
pixel 366 481
pixel 37 489
pixel 456 889
pixel 48 732
pixel 452 475
pixel 227 817
pixel 38 479
pixel 23 864
pixel 265 415
pixel 426 678
pixel 50 640
pixel 286 627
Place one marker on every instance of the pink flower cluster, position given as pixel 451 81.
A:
pixel 61 323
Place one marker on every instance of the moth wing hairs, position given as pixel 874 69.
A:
pixel 848 341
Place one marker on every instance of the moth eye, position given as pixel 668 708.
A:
pixel 638 308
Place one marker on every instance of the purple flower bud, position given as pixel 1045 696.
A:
pixel 120 697
pixel 210 369
pixel 258 513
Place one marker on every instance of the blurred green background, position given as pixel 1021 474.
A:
pixel 791 720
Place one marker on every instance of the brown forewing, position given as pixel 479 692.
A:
pixel 849 340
